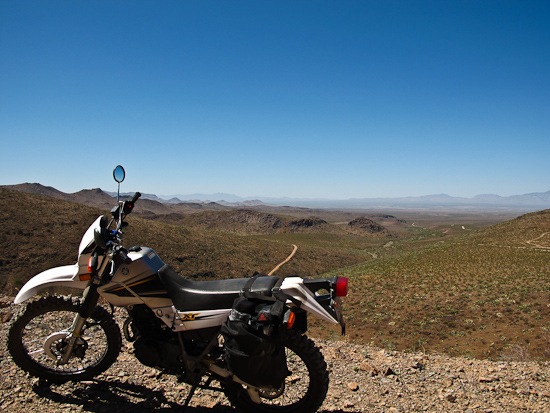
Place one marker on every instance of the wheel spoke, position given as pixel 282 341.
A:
pixel 38 339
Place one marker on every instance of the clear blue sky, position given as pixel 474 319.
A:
pixel 315 99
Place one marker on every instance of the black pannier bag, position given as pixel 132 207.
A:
pixel 253 337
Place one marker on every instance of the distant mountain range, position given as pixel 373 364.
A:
pixel 526 202
pixel 531 201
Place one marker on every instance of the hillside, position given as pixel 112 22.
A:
pixel 441 282
pixel 42 232
pixel 98 198
pixel 484 294
pixel 258 222
pixel 429 284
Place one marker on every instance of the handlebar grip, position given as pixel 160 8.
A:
pixel 129 205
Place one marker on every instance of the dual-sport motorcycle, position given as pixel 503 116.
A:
pixel 245 337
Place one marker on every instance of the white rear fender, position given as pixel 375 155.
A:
pixel 66 276
pixel 294 286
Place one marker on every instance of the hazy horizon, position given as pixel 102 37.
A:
pixel 541 199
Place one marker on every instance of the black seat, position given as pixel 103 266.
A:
pixel 189 295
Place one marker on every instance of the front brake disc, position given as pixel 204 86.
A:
pixel 53 345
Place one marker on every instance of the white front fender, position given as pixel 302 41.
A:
pixel 66 276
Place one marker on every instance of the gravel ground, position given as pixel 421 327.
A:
pixel 363 379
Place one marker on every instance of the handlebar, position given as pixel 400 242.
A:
pixel 129 205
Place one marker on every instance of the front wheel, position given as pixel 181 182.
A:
pixel 303 391
pixel 38 338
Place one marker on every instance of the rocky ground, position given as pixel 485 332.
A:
pixel 363 379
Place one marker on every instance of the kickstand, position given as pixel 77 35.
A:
pixel 190 395
pixel 194 387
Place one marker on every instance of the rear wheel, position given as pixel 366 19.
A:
pixel 303 391
pixel 38 338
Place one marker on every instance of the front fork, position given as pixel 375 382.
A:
pixel 91 298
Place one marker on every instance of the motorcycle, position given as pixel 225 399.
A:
pixel 244 337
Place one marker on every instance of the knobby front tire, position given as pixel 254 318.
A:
pixel 304 390
pixel 37 336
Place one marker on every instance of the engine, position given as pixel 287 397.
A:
pixel 155 345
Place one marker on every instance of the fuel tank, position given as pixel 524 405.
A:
pixel 137 282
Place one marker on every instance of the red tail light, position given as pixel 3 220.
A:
pixel 341 286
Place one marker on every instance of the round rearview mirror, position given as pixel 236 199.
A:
pixel 119 174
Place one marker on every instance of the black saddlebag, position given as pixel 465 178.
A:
pixel 253 337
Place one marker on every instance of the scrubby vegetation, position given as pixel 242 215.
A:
pixel 461 297
pixel 454 283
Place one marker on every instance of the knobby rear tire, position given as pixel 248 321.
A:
pixel 30 329
pixel 300 351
